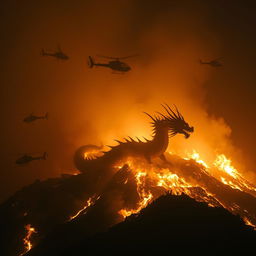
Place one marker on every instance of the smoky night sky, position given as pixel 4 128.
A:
pixel 95 106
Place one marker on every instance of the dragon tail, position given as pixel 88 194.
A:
pixel 82 163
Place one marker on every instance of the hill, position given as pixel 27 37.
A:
pixel 170 223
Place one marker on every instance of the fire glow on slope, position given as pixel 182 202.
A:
pixel 145 196
pixel 27 243
pixel 163 179
pixel 89 202
pixel 232 177
pixel 150 177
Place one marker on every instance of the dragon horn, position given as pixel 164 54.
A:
pixel 179 114
pixel 167 111
pixel 156 117
pixel 149 116
pixel 175 115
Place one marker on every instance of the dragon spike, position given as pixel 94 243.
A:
pixel 131 138
pixel 179 114
pixel 167 111
pixel 118 141
pixel 145 139
pixel 171 134
pixel 126 140
pixel 110 146
pixel 175 115
pixel 150 116
pixel 138 139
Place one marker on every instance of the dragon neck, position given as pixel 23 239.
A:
pixel 160 138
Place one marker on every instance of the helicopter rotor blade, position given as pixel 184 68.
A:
pixel 129 56
pixel 117 58
pixel 106 57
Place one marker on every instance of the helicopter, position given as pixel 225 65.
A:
pixel 31 118
pixel 214 63
pixel 27 158
pixel 59 54
pixel 115 64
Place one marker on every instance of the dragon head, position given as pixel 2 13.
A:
pixel 176 123
pixel 173 121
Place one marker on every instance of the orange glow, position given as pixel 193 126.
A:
pixel 232 177
pixel 88 203
pixel 195 156
pixel 224 164
pixel 91 154
pixel 249 223
pixel 27 243
pixel 151 176
pixel 224 167
pixel 145 197
pixel 157 177
pixel 170 181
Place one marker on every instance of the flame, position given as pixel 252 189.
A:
pixel 145 197
pixel 249 223
pixel 172 182
pixel 27 243
pixel 92 153
pixel 88 203
pixel 224 164
pixel 169 181
pixel 157 177
pixel 232 177
pixel 195 156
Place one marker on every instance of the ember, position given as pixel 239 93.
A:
pixel 27 240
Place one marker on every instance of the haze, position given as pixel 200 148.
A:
pixel 95 106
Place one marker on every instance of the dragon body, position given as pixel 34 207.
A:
pixel 164 126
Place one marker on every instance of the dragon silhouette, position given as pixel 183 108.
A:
pixel 164 127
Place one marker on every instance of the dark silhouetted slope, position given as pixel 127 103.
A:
pixel 170 223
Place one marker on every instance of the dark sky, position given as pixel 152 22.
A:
pixel 94 106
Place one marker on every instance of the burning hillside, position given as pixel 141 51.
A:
pixel 91 202
pixel 117 184
pixel 176 223
pixel 188 54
